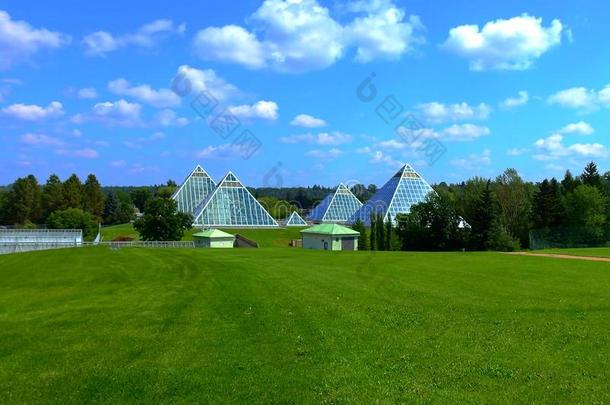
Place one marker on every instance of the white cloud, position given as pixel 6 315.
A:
pixel 324 154
pixel 392 144
pixel 307 121
pixel 40 140
pixel 464 132
pixel 33 112
pixel 513 44
pixel 261 109
pixel 196 80
pixel 225 151
pixel 383 32
pixel 322 138
pixel 19 41
pixel 553 148
pixel 149 35
pixel 581 98
pixel 161 98
pixel 118 113
pixel 6 86
pixel 437 113
pixel 169 118
pixel 334 138
pixel 139 143
pixel 379 156
pixel 86 153
pixel 118 163
pixel 294 36
pixel 230 43
pixel 87 93
pixel 512 102
pixel 578 128
pixel 473 161
pixel 517 151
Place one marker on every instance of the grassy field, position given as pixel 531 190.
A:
pixel 113 231
pixel 289 325
pixel 265 237
pixel 593 252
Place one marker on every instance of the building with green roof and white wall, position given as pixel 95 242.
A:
pixel 213 238
pixel 330 237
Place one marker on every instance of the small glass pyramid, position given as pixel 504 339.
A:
pixel 338 206
pixel 197 186
pixel 232 205
pixel 404 189
pixel 295 220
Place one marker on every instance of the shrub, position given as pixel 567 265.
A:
pixel 74 218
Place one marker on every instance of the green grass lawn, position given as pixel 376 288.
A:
pixel 265 237
pixel 112 231
pixel 593 252
pixel 289 325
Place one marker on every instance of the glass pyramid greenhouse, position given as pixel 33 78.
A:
pixel 197 186
pixel 338 206
pixel 295 220
pixel 404 189
pixel 232 205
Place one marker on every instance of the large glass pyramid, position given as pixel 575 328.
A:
pixel 197 186
pixel 338 206
pixel 295 220
pixel 404 189
pixel 232 205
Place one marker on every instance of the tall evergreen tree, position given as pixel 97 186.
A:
pixel 24 202
pixel 380 230
pixel 482 218
pixel 373 232
pixel 73 192
pixel 93 198
pixel 569 183
pixel 118 208
pixel 388 234
pixel 363 242
pixel 548 209
pixel 52 196
pixel 591 176
pixel 140 197
pixel 3 197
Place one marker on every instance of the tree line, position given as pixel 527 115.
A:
pixel 71 203
pixel 505 213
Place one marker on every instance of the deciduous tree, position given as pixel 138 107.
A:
pixel 162 221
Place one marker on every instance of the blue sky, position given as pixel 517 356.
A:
pixel 100 87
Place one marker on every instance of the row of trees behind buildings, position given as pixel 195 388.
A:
pixel 505 213
pixel 68 204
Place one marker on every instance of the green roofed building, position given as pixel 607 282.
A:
pixel 213 238
pixel 330 237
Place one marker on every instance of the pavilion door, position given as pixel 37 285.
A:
pixel 347 244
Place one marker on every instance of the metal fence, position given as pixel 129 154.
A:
pixel 18 247
pixel 26 240
pixel 149 244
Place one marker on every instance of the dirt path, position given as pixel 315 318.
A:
pixel 558 256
